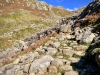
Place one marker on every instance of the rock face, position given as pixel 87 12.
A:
pixel 66 24
pixel 92 7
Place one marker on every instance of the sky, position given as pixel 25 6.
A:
pixel 69 4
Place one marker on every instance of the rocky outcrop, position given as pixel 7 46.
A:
pixel 84 35
pixel 49 59
pixel 91 8
pixel 75 48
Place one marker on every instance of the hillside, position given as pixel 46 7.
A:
pixel 44 45
pixel 20 18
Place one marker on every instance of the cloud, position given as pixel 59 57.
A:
pixel 72 9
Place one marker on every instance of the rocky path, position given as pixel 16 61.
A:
pixel 55 57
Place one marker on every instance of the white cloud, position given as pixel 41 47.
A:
pixel 72 9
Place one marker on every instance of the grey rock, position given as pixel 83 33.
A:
pixel 29 57
pixel 8 72
pixel 51 51
pixel 65 28
pixel 41 64
pixel 85 35
pixel 68 52
pixel 87 39
pixel 57 62
pixel 1 72
pixel 73 60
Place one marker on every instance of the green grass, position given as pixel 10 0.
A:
pixel 65 56
pixel 20 20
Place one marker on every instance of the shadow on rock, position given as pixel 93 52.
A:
pixel 89 63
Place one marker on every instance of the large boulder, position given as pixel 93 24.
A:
pixel 65 28
pixel 87 39
pixel 41 63
pixel 84 35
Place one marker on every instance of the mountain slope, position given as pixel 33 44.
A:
pixel 20 18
